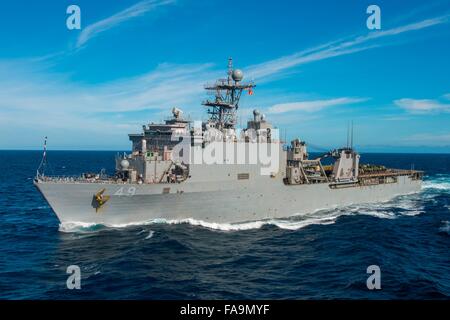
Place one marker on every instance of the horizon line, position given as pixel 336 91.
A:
pixel 116 150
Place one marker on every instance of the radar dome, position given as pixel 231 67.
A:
pixel 124 164
pixel 177 112
pixel 237 75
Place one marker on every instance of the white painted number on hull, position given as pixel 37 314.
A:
pixel 131 191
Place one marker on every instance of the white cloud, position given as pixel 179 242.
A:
pixel 422 105
pixel 134 11
pixel 31 96
pixel 312 105
pixel 336 48
pixel 396 118
pixel 34 89
pixel 441 139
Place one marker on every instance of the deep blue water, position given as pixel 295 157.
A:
pixel 323 256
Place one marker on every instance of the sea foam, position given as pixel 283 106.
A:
pixel 400 206
pixel 440 182
pixel 445 228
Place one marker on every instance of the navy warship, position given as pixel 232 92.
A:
pixel 214 172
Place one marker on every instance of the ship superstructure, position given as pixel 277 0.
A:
pixel 160 180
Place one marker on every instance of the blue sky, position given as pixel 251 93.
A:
pixel 316 66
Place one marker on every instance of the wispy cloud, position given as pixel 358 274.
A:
pixel 313 105
pixel 422 105
pixel 336 48
pixel 129 13
pixel 431 139
pixel 396 118
pixel 54 101
pixel 33 88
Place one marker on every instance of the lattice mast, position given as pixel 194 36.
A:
pixel 227 93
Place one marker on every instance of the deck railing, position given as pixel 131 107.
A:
pixel 77 179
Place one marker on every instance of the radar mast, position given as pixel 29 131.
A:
pixel 226 94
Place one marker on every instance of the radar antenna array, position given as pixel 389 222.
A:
pixel 227 93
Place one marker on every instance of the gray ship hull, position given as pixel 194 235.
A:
pixel 208 201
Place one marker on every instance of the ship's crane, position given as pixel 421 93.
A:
pixel 335 153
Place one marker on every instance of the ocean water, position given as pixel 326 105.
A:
pixel 321 256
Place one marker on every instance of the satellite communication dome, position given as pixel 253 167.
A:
pixel 177 112
pixel 237 75
pixel 124 164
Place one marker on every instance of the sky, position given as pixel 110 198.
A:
pixel 316 65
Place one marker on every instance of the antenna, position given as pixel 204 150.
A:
pixel 41 169
pixel 348 133
pixel 230 69
pixel 45 148
pixel 351 140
